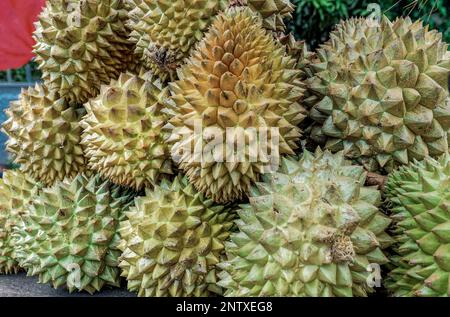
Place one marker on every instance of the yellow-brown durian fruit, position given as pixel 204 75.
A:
pixel 239 79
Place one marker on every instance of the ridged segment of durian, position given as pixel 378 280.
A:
pixel 81 44
pixel 419 195
pixel 299 51
pixel 238 77
pixel 172 241
pixel 44 135
pixel 273 12
pixel 164 31
pixel 305 59
pixel 17 190
pixel 70 236
pixel 123 135
pixel 382 92
pixel 311 229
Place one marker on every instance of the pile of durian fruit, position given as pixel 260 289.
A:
pixel 106 190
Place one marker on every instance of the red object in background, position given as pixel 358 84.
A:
pixel 16 29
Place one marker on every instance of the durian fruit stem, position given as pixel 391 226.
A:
pixel 163 57
pixel 342 249
pixel 374 179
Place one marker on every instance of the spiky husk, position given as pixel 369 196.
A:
pixel 164 31
pixel 273 12
pixel 311 229
pixel 382 93
pixel 123 135
pixel 45 135
pixel 419 195
pixel 81 44
pixel 238 77
pixel 304 58
pixel 70 235
pixel 17 190
pixel 299 51
pixel 172 241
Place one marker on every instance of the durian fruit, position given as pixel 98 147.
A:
pixel 70 235
pixel 419 195
pixel 299 50
pixel 381 92
pixel 238 83
pixel 273 12
pixel 44 135
pixel 172 240
pixel 165 31
pixel 17 190
pixel 311 229
pixel 81 44
pixel 123 135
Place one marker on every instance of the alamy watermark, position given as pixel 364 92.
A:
pixel 374 278
pixel 374 18
pixel 74 277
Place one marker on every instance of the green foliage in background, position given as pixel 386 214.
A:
pixel 19 75
pixel 434 12
pixel 314 19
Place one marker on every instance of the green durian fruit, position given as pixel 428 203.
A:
pixel 123 135
pixel 381 92
pixel 311 229
pixel 419 196
pixel 70 235
pixel 239 83
pixel 45 135
pixel 17 190
pixel 172 241
pixel 81 44
pixel 165 31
